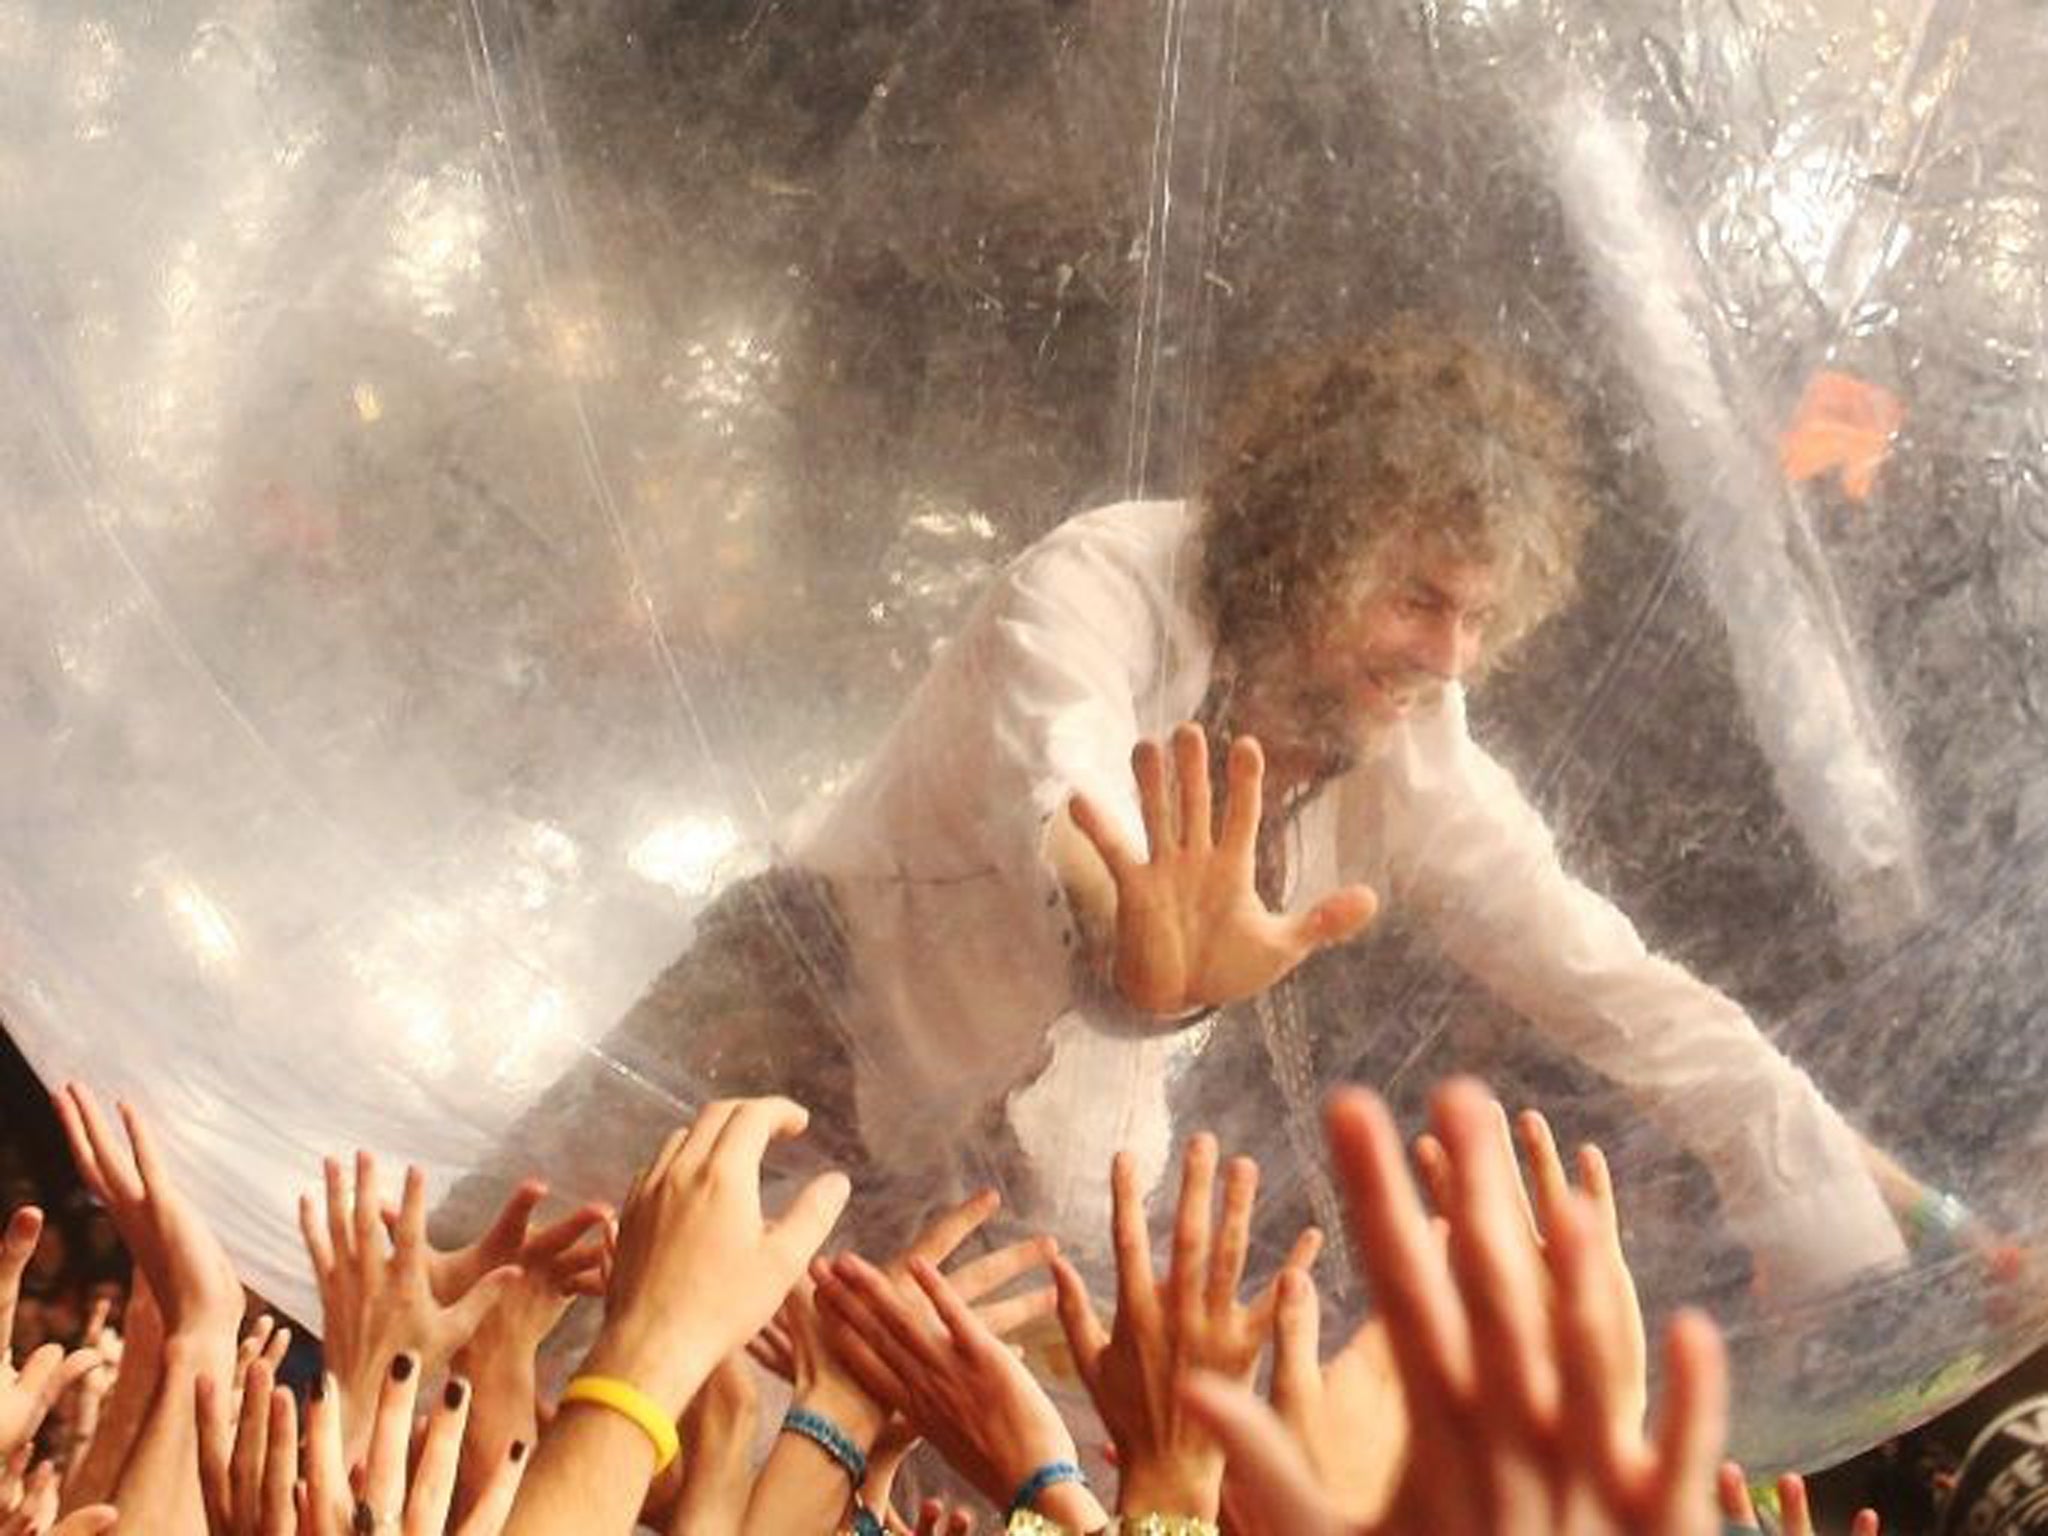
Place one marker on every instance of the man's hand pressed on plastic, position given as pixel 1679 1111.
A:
pixel 1191 928
pixel 1520 1420
pixel 1169 1462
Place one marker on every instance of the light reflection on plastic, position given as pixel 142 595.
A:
pixel 100 64
pixel 684 854
pixel 1800 202
pixel 548 858
pixel 202 924
pixel 428 1036
pixel 540 1025
pixel 437 240
pixel 17 32
pixel 2009 230
pixel 727 375
pixel 581 350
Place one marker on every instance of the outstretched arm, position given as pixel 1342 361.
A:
pixel 1480 865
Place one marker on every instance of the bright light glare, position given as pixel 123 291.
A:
pixel 201 923
pixel 684 854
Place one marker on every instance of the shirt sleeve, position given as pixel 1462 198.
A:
pixel 1071 661
pixel 1476 860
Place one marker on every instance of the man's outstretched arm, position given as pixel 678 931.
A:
pixel 1798 1184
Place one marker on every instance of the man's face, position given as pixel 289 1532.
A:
pixel 1419 624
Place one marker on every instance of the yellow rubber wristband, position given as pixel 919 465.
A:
pixel 628 1401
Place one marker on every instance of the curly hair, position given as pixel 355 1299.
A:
pixel 1415 430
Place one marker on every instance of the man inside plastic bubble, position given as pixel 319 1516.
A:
pixel 985 955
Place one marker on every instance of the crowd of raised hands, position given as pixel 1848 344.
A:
pixel 1499 1385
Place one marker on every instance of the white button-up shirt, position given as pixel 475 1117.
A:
pixel 964 986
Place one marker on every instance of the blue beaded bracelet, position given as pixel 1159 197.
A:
pixel 866 1522
pixel 1053 1472
pixel 829 1438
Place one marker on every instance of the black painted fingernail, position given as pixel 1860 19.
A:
pixel 401 1368
pixel 457 1389
pixel 518 1452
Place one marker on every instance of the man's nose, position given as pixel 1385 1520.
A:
pixel 1442 649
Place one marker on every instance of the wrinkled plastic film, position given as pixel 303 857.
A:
pixel 480 483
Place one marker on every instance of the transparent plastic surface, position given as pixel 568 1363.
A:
pixel 480 481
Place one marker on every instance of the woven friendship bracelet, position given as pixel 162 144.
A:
pixel 829 1438
pixel 1029 1522
pixel 1047 1476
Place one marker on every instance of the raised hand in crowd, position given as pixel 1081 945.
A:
pixel 194 1287
pixel 1519 1421
pixel 95 1468
pixel 699 1271
pixel 77 1414
pixel 189 1273
pixel 715 1472
pixel 936 1517
pixel 249 1450
pixel 400 1491
pixel 803 1486
pixel 960 1386
pixel 1795 1514
pixel 1190 928
pixel 249 1440
pixel 1552 1192
pixel 377 1298
pixel 1168 1461
pixel 29 1507
pixel 1346 1414
pixel 556 1264
pixel 27 1395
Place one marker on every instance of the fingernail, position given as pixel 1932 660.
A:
pixel 457 1389
pixel 401 1368
pixel 518 1451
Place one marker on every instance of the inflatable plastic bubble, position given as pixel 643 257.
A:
pixel 480 481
